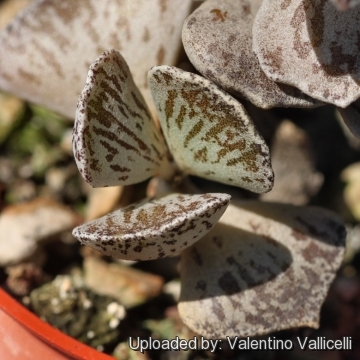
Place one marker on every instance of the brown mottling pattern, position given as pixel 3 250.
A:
pixel 285 4
pixel 201 155
pixel 271 272
pixel 50 59
pixel 218 14
pixel 194 131
pixel 316 22
pixel 319 46
pixel 303 48
pixel 146 36
pixel 167 77
pixel 274 59
pixel 298 235
pixel 246 8
pixel 169 106
pixel 93 33
pixel 114 127
pixel 217 310
pixel 153 229
pixel 72 34
pixel 222 51
pixel 201 285
pixel 163 5
pixel 228 283
pixel 160 55
pixel 199 115
pixel 29 77
pixel 246 179
pixel 141 105
pixel 180 119
pixel 196 256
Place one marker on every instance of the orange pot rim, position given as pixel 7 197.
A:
pixel 48 333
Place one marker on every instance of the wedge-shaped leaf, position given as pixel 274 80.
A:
pixel 351 117
pixel 208 132
pixel 310 45
pixel 46 52
pixel 264 267
pixel 154 229
pixel 115 139
pixel 218 40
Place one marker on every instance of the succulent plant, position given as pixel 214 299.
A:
pixel 262 266
pixel 209 135
pixel 218 40
pixel 310 45
pixel 50 45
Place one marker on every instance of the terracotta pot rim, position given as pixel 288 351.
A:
pixel 48 333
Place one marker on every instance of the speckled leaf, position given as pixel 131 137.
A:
pixel 351 117
pixel 115 140
pixel 208 132
pixel 310 45
pixel 218 40
pixel 46 52
pixel 345 4
pixel 154 229
pixel 263 268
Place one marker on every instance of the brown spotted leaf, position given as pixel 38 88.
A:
pixel 310 45
pixel 351 117
pixel 47 50
pixel 218 40
pixel 115 140
pixel 208 132
pixel 263 268
pixel 154 229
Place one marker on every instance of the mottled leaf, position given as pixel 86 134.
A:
pixel 263 268
pixel 310 45
pixel 218 40
pixel 46 52
pixel 208 132
pixel 351 117
pixel 154 229
pixel 115 139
